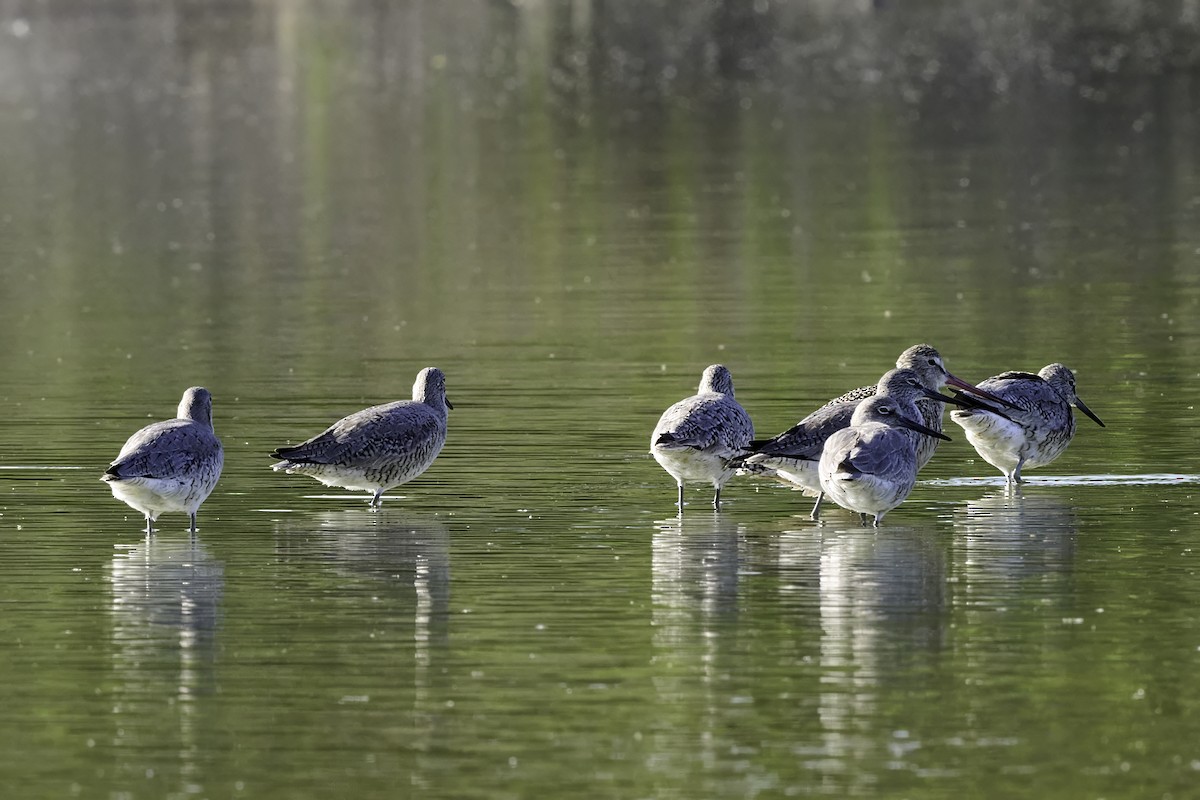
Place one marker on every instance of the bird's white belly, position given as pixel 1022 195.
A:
pixel 866 494
pixel 690 464
pixel 360 479
pixel 154 496
pixel 998 441
pixel 340 476
pixel 799 472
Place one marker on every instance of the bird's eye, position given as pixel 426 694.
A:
pixel 885 409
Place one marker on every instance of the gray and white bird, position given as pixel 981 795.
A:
pixel 871 466
pixel 696 438
pixel 792 456
pixel 172 465
pixel 1033 435
pixel 377 448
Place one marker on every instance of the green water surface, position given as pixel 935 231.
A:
pixel 299 206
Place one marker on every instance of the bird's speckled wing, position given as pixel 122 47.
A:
pixel 705 421
pixel 170 449
pixel 806 438
pixel 369 438
pixel 853 396
pixel 1024 389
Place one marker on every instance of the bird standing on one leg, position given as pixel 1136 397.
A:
pixel 377 448
pixel 1033 435
pixel 172 465
pixel 696 437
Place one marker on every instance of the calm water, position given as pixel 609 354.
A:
pixel 300 206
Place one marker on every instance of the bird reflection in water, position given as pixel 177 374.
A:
pixel 401 551
pixel 404 561
pixel 166 599
pixel 694 596
pixel 882 606
pixel 1008 535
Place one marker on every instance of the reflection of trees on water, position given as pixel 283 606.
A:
pixel 259 144
pixel 166 598
pixel 985 44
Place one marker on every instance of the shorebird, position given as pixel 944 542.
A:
pixel 172 465
pixel 792 456
pixel 379 447
pixel 696 438
pixel 871 466
pixel 1033 435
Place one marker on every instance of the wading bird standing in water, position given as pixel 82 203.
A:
pixel 172 465
pixel 377 448
pixel 696 438
pixel 871 466
pixel 792 456
pixel 1033 435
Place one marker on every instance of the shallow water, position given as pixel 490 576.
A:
pixel 300 208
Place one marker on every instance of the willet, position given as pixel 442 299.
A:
pixel 1033 435
pixel 377 448
pixel 871 466
pixel 792 456
pixel 696 438
pixel 172 465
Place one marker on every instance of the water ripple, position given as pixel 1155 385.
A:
pixel 1152 479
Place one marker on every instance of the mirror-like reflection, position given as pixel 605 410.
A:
pixel 695 562
pixel 402 562
pixel 572 207
pixel 883 611
pixel 166 610
pixel 1009 535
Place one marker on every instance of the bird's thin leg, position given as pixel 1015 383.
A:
pixel 816 511
pixel 717 499
pixel 862 518
pixel 1017 471
pixel 149 526
pixel 193 529
pixel 875 524
pixel 377 500
pixel 680 504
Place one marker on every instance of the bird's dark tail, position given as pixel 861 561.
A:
pixel 974 403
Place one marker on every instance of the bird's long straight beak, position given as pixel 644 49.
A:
pixel 957 399
pixel 1079 404
pixel 919 428
pixel 959 383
